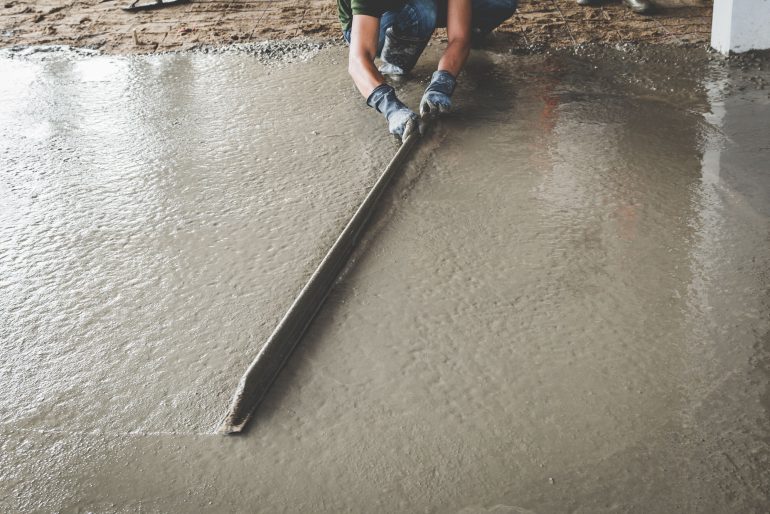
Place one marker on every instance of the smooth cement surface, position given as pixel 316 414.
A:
pixel 563 303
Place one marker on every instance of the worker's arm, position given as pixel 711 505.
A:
pixel 458 27
pixel 437 97
pixel 364 37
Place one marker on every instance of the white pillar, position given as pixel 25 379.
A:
pixel 740 25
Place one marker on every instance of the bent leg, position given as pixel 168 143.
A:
pixel 489 14
pixel 404 34
pixel 416 19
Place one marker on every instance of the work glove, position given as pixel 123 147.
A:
pixel 437 97
pixel 402 121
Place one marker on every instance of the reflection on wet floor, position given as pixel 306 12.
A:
pixel 154 231
pixel 562 305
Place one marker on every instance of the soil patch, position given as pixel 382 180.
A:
pixel 104 25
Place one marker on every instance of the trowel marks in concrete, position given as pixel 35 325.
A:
pixel 563 305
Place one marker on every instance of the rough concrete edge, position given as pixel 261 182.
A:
pixel 301 49
pixel 269 51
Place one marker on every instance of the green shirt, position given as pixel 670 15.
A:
pixel 347 8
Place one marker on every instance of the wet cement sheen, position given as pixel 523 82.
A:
pixel 562 305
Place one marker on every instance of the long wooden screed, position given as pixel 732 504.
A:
pixel 268 363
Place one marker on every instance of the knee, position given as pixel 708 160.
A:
pixel 426 15
pixel 498 7
pixel 507 6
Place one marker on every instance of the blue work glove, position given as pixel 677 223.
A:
pixel 437 97
pixel 402 121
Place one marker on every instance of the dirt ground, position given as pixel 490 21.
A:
pixel 104 25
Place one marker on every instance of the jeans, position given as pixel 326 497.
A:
pixel 418 18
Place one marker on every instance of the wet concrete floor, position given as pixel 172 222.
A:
pixel 562 305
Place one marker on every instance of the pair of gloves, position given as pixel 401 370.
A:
pixel 402 121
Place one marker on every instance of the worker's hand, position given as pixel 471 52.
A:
pixel 437 98
pixel 402 121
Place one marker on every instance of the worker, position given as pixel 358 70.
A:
pixel 637 6
pixel 397 32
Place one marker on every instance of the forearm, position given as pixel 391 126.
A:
pixel 363 49
pixel 459 33
pixel 364 73
pixel 437 97
pixel 455 55
pixel 369 81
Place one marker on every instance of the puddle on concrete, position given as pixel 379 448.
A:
pixel 562 304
